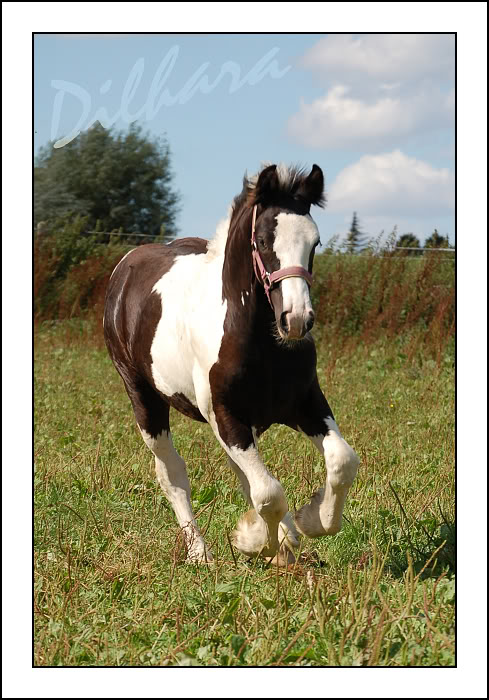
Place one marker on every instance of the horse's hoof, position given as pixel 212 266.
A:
pixel 283 558
pixel 307 518
pixel 199 557
pixel 251 536
pixel 287 533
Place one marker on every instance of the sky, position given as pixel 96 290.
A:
pixel 374 111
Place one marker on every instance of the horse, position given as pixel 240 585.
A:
pixel 220 331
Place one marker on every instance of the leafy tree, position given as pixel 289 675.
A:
pixel 354 239
pixel 436 241
pixel 52 200
pixel 121 180
pixel 408 240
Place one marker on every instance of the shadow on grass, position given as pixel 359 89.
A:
pixel 430 543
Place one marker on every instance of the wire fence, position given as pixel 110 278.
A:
pixel 129 235
pixel 116 234
pixel 107 236
pixel 426 250
pixel 148 238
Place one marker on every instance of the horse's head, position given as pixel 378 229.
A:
pixel 285 237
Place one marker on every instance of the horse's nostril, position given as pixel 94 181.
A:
pixel 310 321
pixel 283 322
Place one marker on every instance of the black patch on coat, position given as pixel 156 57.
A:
pixel 132 312
pixel 257 381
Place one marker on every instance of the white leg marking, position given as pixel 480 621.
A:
pixel 251 530
pixel 323 515
pixel 172 477
pixel 287 532
pixel 245 484
pixel 266 495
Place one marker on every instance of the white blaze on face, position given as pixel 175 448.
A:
pixel 295 237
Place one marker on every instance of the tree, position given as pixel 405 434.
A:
pixel 51 198
pixel 354 239
pixel 436 241
pixel 409 240
pixel 121 180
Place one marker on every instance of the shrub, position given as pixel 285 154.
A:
pixel 357 298
pixel 71 269
pixel 370 296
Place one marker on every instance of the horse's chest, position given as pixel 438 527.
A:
pixel 266 386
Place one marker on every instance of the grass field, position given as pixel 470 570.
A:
pixel 110 586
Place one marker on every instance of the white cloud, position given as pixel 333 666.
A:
pixel 383 56
pixel 392 184
pixel 337 120
pixel 379 90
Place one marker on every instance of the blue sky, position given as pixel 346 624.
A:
pixel 376 112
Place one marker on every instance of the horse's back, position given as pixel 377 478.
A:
pixel 152 261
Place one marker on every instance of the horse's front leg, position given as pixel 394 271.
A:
pixel 257 532
pixel 251 527
pixel 323 515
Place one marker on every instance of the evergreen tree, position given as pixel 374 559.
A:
pixel 354 238
pixel 122 180
pixel 436 241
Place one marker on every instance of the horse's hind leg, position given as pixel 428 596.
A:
pixel 172 476
pixel 152 415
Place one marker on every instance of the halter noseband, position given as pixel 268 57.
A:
pixel 269 279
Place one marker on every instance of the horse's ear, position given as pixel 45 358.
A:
pixel 266 185
pixel 312 189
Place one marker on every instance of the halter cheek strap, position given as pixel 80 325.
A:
pixel 269 279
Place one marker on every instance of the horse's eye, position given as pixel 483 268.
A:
pixel 261 242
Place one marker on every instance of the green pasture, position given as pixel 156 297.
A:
pixel 110 586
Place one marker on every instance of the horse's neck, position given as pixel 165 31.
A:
pixel 249 313
pixel 237 267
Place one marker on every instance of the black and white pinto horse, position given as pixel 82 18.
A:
pixel 220 331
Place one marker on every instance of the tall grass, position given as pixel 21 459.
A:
pixel 357 298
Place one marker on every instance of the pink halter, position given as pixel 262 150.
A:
pixel 269 279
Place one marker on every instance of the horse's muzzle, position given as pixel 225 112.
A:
pixel 295 327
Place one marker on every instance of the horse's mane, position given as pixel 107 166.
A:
pixel 290 178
